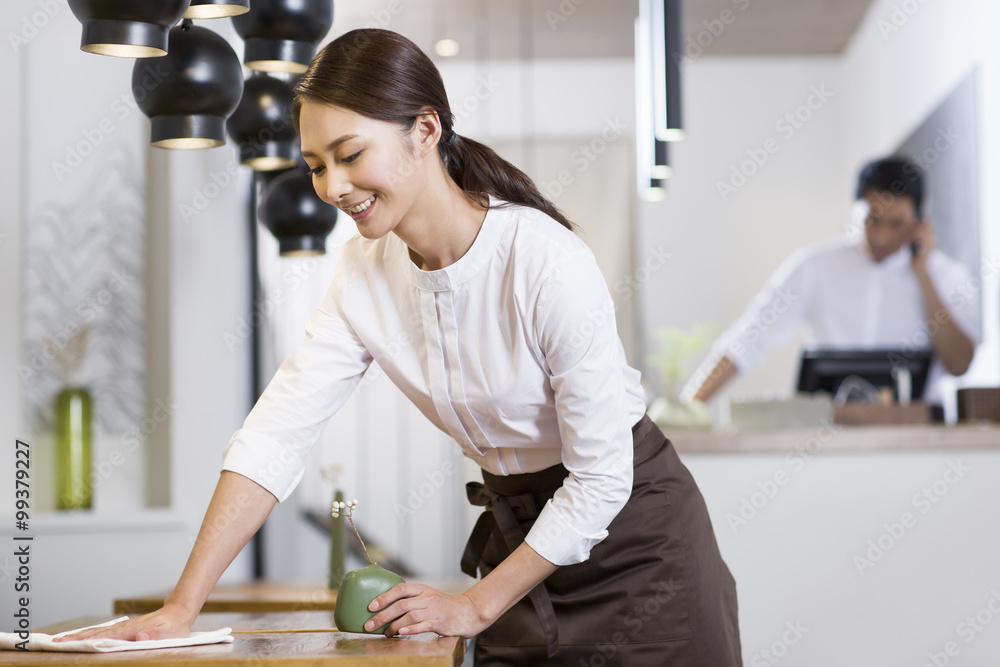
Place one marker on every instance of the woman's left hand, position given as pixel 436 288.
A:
pixel 413 608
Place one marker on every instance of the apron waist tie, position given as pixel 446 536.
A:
pixel 501 513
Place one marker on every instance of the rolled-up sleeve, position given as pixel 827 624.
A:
pixel 313 382
pixel 575 326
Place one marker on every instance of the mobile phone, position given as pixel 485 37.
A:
pixel 915 245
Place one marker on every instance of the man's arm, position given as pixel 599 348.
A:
pixel 951 345
pixel 720 375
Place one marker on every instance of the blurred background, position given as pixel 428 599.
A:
pixel 155 251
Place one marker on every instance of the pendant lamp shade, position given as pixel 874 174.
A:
pixel 281 35
pixel 661 160
pixel 191 91
pixel 127 28
pixel 216 9
pixel 295 214
pixel 262 125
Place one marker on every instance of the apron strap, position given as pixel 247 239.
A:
pixel 500 515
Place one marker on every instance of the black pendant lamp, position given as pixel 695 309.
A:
pixel 216 9
pixel 295 214
pixel 661 161
pixel 667 54
pixel 262 125
pixel 195 87
pixel 281 35
pixel 127 28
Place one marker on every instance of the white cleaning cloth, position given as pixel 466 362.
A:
pixel 39 641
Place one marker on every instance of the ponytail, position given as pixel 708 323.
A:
pixel 476 168
pixel 384 76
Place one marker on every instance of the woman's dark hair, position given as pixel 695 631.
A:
pixel 898 176
pixel 384 76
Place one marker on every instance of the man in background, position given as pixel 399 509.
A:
pixel 892 289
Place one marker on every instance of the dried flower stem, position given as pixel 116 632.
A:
pixel 339 508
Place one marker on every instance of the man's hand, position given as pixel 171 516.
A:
pixel 413 608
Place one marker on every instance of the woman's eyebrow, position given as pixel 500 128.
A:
pixel 330 146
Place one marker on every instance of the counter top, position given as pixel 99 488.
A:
pixel 301 639
pixel 835 437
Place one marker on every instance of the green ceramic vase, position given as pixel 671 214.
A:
pixel 73 449
pixel 356 592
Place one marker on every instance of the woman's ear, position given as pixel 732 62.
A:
pixel 426 131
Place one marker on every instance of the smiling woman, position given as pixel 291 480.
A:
pixel 596 544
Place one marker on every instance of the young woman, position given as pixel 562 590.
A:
pixel 478 301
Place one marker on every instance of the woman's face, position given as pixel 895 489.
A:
pixel 366 168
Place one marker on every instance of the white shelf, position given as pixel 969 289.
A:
pixel 81 521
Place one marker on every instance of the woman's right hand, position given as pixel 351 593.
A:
pixel 169 622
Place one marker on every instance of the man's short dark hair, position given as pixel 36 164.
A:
pixel 898 176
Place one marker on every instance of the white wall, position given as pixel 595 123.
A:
pixel 795 560
pixel 725 244
pixel 198 283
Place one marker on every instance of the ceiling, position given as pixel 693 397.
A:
pixel 512 29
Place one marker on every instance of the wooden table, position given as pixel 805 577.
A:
pixel 301 639
pixel 266 596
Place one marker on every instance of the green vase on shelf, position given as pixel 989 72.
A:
pixel 73 448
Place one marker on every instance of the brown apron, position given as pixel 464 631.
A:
pixel 654 593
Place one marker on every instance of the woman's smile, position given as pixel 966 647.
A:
pixel 361 210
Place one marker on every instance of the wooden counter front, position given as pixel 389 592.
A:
pixel 301 639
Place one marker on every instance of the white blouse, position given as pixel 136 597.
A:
pixel 512 350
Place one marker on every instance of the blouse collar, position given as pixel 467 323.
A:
pixel 469 264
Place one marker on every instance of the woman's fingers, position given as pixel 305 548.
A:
pixel 397 592
pixel 427 610
pixel 116 631
pixel 160 624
